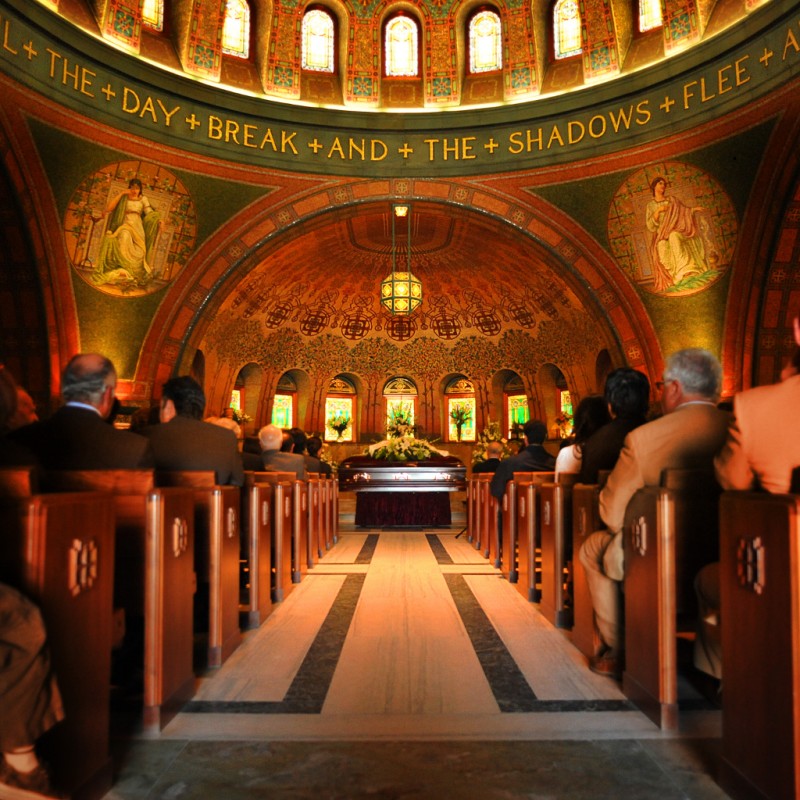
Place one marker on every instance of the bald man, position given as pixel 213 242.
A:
pixel 78 435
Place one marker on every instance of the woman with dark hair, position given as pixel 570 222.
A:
pixel 591 415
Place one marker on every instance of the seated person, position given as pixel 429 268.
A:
pixel 688 436
pixel 226 420
pixel 184 442
pixel 11 453
pixel 274 459
pixel 78 436
pixel 533 458
pixel 753 457
pixel 30 702
pixel 627 394
pixel 251 454
pixel 590 416
pixel 494 454
pixel 314 463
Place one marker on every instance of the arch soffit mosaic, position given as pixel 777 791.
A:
pixel 593 283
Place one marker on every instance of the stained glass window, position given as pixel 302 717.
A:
pixel 153 14
pixel 518 414
pixel 318 40
pixel 236 29
pixel 400 414
pixel 485 42
pixel 282 408
pixel 567 28
pixel 236 399
pixel 649 15
pixel 338 419
pixel 401 47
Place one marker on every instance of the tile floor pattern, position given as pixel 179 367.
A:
pixel 404 666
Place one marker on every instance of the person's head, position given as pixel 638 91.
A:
pixel 135 186
pixel 287 442
pixel 8 398
pixel 627 393
pixel 494 450
pixel 590 415
pixel 299 438
pixel 690 374
pixel 270 437
pixel 91 379
pixel 26 411
pixel 656 181
pixel 182 397
pixel 534 431
pixel 313 446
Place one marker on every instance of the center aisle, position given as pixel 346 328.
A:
pixel 409 635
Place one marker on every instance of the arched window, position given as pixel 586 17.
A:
pixel 649 15
pixel 284 402
pixel 567 28
pixel 340 411
pixel 485 42
pixel 516 411
pixel 318 41
pixel 153 14
pixel 401 48
pixel 400 398
pixel 236 29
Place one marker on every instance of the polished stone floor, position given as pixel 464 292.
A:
pixel 404 666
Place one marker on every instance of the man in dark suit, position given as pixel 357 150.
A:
pixel 313 462
pixel 534 458
pixel 627 392
pixel 184 442
pixel 271 439
pixel 494 452
pixel 78 435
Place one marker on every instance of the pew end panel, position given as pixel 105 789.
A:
pixel 505 555
pixel 282 528
pixel 18 481
pixel 257 550
pixel 299 531
pixel 650 679
pixel 58 549
pixel 760 618
pixel 555 505
pixel 527 529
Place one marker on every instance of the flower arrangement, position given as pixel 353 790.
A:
pixel 338 423
pixel 563 421
pixel 240 417
pixel 491 433
pixel 400 423
pixel 404 448
pixel 461 415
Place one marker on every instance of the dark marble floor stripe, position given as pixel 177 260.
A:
pixel 309 688
pixel 367 550
pixel 512 692
pixel 442 556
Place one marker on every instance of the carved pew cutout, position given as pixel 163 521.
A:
pixel 154 578
pixel 256 549
pixel 58 550
pixel 217 550
pixel 760 586
pixel 282 530
pixel 670 532
pixel 555 504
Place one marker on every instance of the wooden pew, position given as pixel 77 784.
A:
pixel 670 532
pixel 58 549
pixel 282 530
pixel 527 536
pixel 256 549
pixel 555 504
pixel 314 518
pixel 760 617
pixel 585 521
pixel 328 502
pixel 503 542
pixel 217 550
pixel 154 578
pixel 299 530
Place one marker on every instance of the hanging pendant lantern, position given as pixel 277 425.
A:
pixel 401 292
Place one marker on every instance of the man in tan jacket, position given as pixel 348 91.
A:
pixel 688 436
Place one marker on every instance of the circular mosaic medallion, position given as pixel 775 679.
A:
pixel 672 229
pixel 129 228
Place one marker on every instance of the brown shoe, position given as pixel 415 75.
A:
pixel 16 785
pixel 607 664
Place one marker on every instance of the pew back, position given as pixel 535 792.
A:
pixel 257 550
pixel 556 547
pixel 760 616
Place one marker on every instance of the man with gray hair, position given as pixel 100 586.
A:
pixel 688 436
pixel 78 435
pixel 270 437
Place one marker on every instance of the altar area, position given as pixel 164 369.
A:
pixel 402 494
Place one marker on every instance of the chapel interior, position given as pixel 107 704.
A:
pixel 299 158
